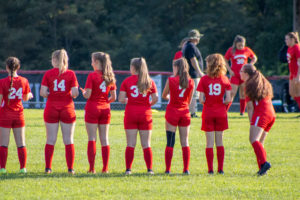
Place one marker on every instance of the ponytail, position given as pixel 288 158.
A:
pixel 106 65
pixel 13 64
pixel 144 81
pixel 183 72
pixel 60 60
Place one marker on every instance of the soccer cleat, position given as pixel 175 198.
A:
pixel 167 172
pixel 241 114
pixel 23 171
pixel 211 172
pixel 71 171
pixel 221 172
pixel 194 115
pixel 264 168
pixel 92 171
pixel 186 172
pixel 128 172
pixel 105 172
pixel 150 171
pixel 3 171
pixel 48 170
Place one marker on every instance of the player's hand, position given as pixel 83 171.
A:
pixel 82 90
pixel 30 95
pixel 231 73
pixel 297 79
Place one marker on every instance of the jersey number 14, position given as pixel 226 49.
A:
pixel 60 85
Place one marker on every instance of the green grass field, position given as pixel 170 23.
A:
pixel 239 181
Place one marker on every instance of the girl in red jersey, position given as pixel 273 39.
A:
pixel 238 55
pixel 261 112
pixel 13 90
pixel 178 90
pixel 293 57
pixel 98 86
pixel 59 85
pixel 212 88
pixel 135 92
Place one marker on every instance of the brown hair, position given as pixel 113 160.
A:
pixel 183 72
pixel 13 64
pixel 236 40
pixel 216 65
pixel 61 60
pixel 106 66
pixel 144 82
pixel 294 35
pixel 257 86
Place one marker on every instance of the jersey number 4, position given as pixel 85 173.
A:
pixel 103 86
pixel 60 85
pixel 214 89
pixel 15 93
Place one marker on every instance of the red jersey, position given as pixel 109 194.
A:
pixel 263 107
pixel 179 97
pixel 59 86
pixel 239 58
pixel 19 88
pixel 139 101
pixel 214 90
pixel 293 54
pixel 178 55
pixel 100 91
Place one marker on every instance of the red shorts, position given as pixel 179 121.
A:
pixel 177 117
pixel 12 119
pixel 236 80
pixel 263 121
pixel 219 123
pixel 97 116
pixel 54 114
pixel 140 121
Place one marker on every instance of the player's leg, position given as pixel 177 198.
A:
pixel 131 135
pixel 184 141
pixel 19 134
pixel 296 86
pixel 220 150
pixel 234 88
pixel 242 99
pixel 193 105
pixel 51 132
pixel 170 133
pixel 209 151
pixel 103 135
pixel 4 141
pixel 91 130
pixel 145 137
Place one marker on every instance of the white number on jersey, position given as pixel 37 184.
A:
pixel 214 89
pixel 13 93
pixel 61 85
pixel 135 91
pixel 240 61
pixel 103 86
pixel 182 92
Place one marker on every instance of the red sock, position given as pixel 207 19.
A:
pixel 22 154
pixel 186 152
pixel 105 157
pixel 242 105
pixel 220 156
pixel 228 106
pixel 210 158
pixel 260 152
pixel 70 155
pixel 168 158
pixel 129 155
pixel 49 150
pixel 148 157
pixel 297 99
pixel 3 156
pixel 91 152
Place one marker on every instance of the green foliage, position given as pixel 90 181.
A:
pixel 31 30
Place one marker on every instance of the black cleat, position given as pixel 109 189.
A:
pixel 221 172
pixel 150 171
pixel 48 170
pixel 264 168
pixel 71 171
pixel 128 172
pixel 167 172
pixel 211 172
pixel 194 115
pixel 186 172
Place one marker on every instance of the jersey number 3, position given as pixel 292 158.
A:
pixel 135 91
pixel 60 85
pixel 214 89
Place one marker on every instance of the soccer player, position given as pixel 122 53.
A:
pixel 13 89
pixel 178 91
pixel 135 92
pixel 238 55
pixel 59 86
pixel 178 54
pixel 99 85
pixel 261 112
pixel 212 88
pixel 293 57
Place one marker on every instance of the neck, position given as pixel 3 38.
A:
pixel 14 74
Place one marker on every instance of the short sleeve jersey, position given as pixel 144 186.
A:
pixel 214 91
pixel 100 91
pixel 59 86
pixel 135 98
pixel 179 97
pixel 293 54
pixel 239 58
pixel 178 55
pixel 263 107
pixel 19 88
pixel 189 51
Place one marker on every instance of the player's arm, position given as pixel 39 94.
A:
pixel 298 74
pixel 165 95
pixel 202 98
pixel 227 97
pixel 228 67
pixel 195 65
pixel 250 109
pixel 74 92
pixel 113 96
pixel 44 91
pixel 1 97
pixel 253 60
pixel 27 97
pixel 154 98
pixel 122 97
pixel 86 93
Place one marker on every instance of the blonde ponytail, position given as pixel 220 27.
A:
pixel 60 60
pixel 183 72
pixel 106 65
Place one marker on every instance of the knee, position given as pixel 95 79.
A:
pixel 170 138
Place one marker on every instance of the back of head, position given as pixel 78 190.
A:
pixel 60 60
pixel 183 72
pixel 236 40
pixel 216 65
pixel 106 66
pixel 13 64
pixel 294 35
pixel 144 81
pixel 257 87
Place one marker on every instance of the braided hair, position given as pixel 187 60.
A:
pixel 13 64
